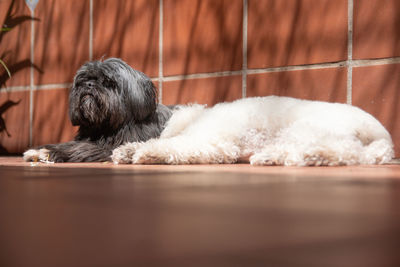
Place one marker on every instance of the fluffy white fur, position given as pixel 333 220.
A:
pixel 265 131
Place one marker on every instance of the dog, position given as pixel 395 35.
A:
pixel 267 130
pixel 112 104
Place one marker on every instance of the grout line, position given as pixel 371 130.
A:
pixel 350 8
pixel 349 92
pixel 19 88
pixel 244 52
pixel 23 88
pixel 91 30
pixel 375 62
pixel 201 75
pixel 53 86
pixel 32 77
pixel 339 64
pixel 160 53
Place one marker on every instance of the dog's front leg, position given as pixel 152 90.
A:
pixel 178 150
pixel 74 151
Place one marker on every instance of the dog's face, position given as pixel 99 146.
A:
pixel 109 94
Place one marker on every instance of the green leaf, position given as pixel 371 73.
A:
pixel 5 29
pixel 5 66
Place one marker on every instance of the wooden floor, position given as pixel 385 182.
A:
pixel 227 215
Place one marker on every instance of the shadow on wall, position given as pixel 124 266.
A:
pixel 377 35
pixel 61 40
pixel 229 43
pixel 11 21
pixel 295 33
pixel 206 37
pixel 129 30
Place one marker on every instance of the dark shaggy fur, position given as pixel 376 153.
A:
pixel 112 104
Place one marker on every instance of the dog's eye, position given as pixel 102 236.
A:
pixel 82 79
pixel 109 84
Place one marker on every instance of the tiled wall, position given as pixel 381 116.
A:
pixel 203 51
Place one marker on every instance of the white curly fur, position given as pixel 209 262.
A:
pixel 36 155
pixel 265 131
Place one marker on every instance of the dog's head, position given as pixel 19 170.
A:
pixel 109 93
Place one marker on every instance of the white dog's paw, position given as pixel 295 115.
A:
pixel 123 154
pixel 152 152
pixel 262 159
pixel 140 157
pixel 146 156
pixel 37 155
pixel 316 160
pixel 321 160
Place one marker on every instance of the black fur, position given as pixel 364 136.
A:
pixel 112 104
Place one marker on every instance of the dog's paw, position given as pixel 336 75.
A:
pixel 318 160
pixel 37 155
pixel 262 159
pixel 144 156
pixel 123 154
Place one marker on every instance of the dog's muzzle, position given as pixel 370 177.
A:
pixel 89 108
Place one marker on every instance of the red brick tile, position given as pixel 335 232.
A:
pixel 16 120
pixel 296 32
pixel 61 39
pixel 15 44
pixel 376 90
pixel 128 30
pixel 51 122
pixel 376 29
pixel 318 84
pixel 202 91
pixel 202 36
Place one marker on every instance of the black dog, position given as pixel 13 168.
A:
pixel 112 104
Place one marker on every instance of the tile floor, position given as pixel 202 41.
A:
pixel 102 214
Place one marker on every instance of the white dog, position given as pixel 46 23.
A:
pixel 265 131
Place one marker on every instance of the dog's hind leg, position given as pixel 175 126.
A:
pixel 279 153
pixel 292 154
pixel 177 150
pixel 378 152
pixel 324 149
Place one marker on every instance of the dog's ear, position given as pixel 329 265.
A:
pixel 74 117
pixel 137 90
pixel 142 97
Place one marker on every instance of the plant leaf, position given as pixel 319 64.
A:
pixel 5 66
